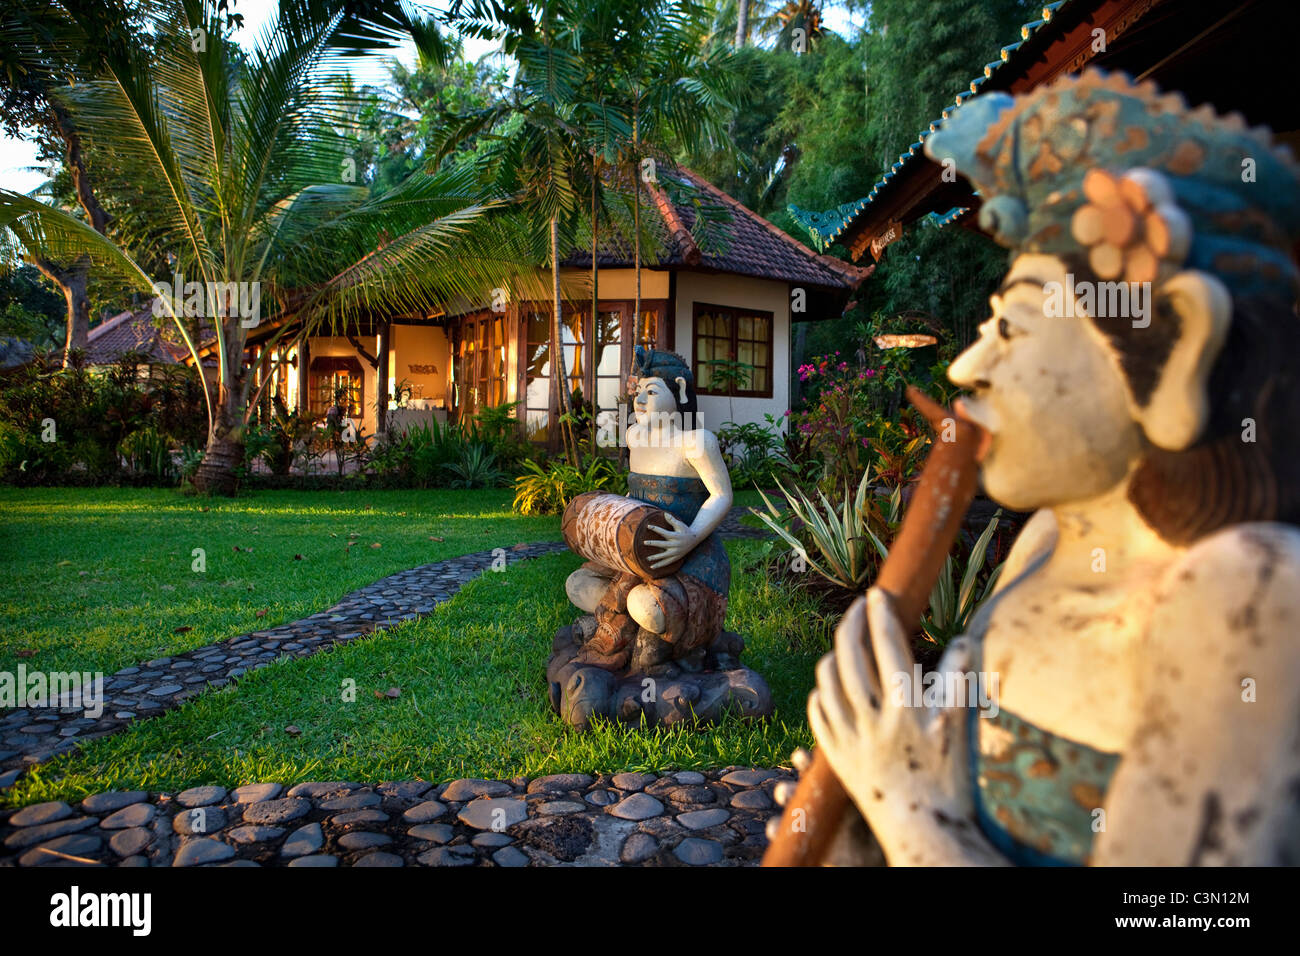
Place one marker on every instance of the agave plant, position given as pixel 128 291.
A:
pixel 953 603
pixel 848 546
pixel 247 155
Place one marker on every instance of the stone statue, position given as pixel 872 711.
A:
pixel 1139 381
pixel 656 580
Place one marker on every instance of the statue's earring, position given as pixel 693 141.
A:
pixel 681 388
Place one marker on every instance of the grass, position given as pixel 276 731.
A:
pixel 472 697
pixel 97 580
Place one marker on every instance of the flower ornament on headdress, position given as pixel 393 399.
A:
pixel 1137 180
pixel 1131 226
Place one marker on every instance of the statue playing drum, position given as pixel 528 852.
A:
pixel 656 580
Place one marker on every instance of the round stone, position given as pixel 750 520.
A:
pixel 359 816
pixel 380 858
pixel 601 798
pixel 638 847
pixel 355 801
pixel 404 790
pixel 703 819
pixel 748 778
pixel 201 796
pixel 692 796
pixel 254 834
pixel 559 808
pixel 490 839
pixel 510 857
pixel 41 813
pixel 560 783
pixel 493 813
pixel 697 851
pixel 633 781
pixel 113 800
pixel 363 840
pixel 448 856
pixel 304 841
pixel 638 806
pixel 199 820
pixel 136 815
pixel 321 860
pixel 469 788
pixel 689 777
pixel 432 832
pixel 751 800
pixel 424 812
pixel 314 791
pixel 56 852
pixel 130 842
pixel 256 792
pixel 199 850
pixel 277 811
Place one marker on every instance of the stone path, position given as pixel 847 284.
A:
pixel 33 735
pixel 30 736
pixel 689 818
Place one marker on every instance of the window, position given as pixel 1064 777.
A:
pixel 481 367
pixel 336 379
pixel 733 351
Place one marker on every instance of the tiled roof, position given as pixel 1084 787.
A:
pixel 825 228
pixel 745 244
pixel 131 332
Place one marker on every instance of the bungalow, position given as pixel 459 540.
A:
pixel 731 299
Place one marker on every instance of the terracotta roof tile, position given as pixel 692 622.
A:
pixel 131 332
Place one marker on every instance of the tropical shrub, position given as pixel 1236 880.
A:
pixel 843 544
pixel 961 589
pixel 547 489
pixel 476 468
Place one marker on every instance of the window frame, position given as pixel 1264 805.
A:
pixel 734 314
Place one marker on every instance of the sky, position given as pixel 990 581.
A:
pixel 16 155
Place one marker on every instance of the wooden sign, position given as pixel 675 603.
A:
pixel 423 369
pixel 890 233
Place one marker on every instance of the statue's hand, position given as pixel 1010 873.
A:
pixel 903 764
pixel 676 541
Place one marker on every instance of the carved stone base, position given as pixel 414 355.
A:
pixel 703 686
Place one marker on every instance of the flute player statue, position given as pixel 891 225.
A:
pixel 1139 383
pixel 651 645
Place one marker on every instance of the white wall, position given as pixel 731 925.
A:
pixel 743 292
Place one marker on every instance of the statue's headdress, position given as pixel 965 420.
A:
pixel 669 366
pixel 1133 178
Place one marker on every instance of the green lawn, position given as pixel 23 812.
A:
pixel 100 579
pixel 471 675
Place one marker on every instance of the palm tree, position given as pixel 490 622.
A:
pixel 675 88
pixel 248 152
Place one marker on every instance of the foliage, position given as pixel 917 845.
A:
pixel 953 600
pixel 843 544
pixel 246 153
pixel 276 440
pixel 95 425
pixel 548 489
pixel 476 468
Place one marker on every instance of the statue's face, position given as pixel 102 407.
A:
pixel 653 402
pixel 1051 394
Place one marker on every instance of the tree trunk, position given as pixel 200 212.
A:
pixel 218 472
pixel 742 23
pixel 381 387
pixel 636 229
pixel 73 282
pixel 558 370
pixel 224 454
